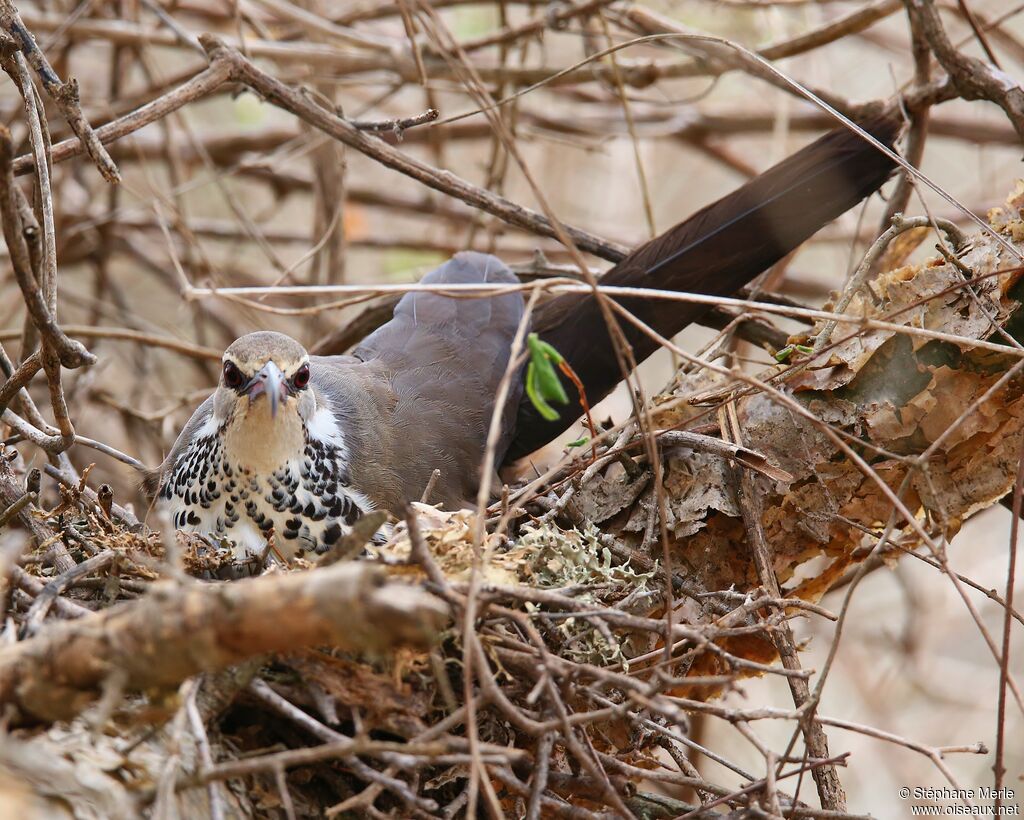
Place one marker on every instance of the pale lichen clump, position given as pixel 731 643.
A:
pixel 544 556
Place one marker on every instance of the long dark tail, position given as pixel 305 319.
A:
pixel 716 251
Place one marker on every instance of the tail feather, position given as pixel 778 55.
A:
pixel 715 252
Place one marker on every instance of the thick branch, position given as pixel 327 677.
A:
pixel 177 632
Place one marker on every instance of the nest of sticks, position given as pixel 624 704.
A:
pixel 158 690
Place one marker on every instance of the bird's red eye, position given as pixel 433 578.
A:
pixel 232 376
pixel 301 377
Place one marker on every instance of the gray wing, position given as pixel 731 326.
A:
pixel 433 372
pixel 154 480
pixel 481 329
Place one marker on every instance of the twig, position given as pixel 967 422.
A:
pixel 16 508
pixel 437 751
pixel 748 458
pixel 830 790
pixel 71 352
pixel 265 693
pixel 281 95
pixel 900 224
pixel 999 767
pixel 195 721
pixel 399 125
pixel 203 84
pixel 34 586
pixel 53 589
pixel 65 95
pixel 974 79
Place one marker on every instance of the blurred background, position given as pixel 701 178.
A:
pixel 230 191
pixel 202 183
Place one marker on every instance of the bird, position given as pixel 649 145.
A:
pixel 299 447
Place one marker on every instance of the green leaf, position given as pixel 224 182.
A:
pixel 543 384
pixel 578 443
pixel 783 354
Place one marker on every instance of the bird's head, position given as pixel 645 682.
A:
pixel 264 381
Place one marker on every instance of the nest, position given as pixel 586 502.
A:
pixel 544 661
pixel 567 642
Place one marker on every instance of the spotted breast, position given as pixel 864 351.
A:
pixel 220 487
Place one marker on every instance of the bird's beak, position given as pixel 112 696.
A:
pixel 270 381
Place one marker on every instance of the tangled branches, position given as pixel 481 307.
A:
pixel 589 645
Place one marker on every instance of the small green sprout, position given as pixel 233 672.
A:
pixel 542 383
pixel 784 354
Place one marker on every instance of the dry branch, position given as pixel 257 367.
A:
pixel 974 78
pixel 71 353
pixel 176 632
pixel 65 95
pixel 276 92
